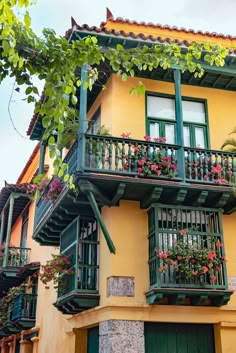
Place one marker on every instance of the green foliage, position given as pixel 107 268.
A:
pixel 23 54
pixel 230 143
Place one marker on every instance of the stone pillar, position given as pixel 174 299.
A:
pixel 121 336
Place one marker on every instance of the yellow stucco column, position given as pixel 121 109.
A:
pixel 11 347
pixel 35 341
pixel 26 346
pixel 77 341
pixel 225 333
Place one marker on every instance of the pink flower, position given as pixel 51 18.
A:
pixel 204 269
pixel 179 258
pixel 211 255
pixel 229 172
pixel 213 279
pixel 156 139
pixel 194 273
pixel 174 241
pixel 163 139
pixel 182 232
pixel 140 170
pixel 141 162
pixel 219 245
pixel 147 138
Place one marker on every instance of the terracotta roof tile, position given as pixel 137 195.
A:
pixel 111 18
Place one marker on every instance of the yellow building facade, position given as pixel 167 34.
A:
pixel 130 289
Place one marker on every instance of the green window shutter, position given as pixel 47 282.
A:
pixel 79 241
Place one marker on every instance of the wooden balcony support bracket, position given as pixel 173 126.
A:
pixel 86 186
pixel 90 190
pixel 201 198
pixel 223 199
pixel 181 195
pixel 152 197
pixel 118 194
pixel 188 296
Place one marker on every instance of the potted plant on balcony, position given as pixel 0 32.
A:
pixel 191 261
pixel 150 162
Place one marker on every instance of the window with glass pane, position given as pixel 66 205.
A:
pixel 160 110
pixel 94 123
pixel 194 112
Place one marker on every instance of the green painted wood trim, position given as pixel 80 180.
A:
pixel 8 237
pixel 2 226
pixel 179 123
pixel 98 215
pixel 163 122
pixel 82 120
pixel 41 157
pixel 197 296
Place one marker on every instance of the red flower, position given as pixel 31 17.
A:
pixel 147 138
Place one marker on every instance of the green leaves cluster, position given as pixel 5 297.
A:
pixel 57 61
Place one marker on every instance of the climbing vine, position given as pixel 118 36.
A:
pixel 56 60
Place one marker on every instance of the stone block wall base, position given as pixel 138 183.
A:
pixel 121 336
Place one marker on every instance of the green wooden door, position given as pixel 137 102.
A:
pixel 93 340
pixel 179 338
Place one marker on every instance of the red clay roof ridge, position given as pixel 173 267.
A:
pixel 110 18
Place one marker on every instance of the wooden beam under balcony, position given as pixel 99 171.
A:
pixel 186 296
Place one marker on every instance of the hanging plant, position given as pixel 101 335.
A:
pixel 55 269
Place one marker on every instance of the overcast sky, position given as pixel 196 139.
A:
pixel 207 15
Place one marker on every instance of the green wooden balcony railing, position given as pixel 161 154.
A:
pixel 16 257
pixel 20 314
pixel 122 156
pixel 24 307
pixel 202 230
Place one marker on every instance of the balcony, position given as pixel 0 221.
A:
pixel 20 314
pixel 10 265
pixel 186 257
pixel 78 291
pixel 115 168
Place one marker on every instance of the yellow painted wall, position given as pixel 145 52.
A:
pixel 128 112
